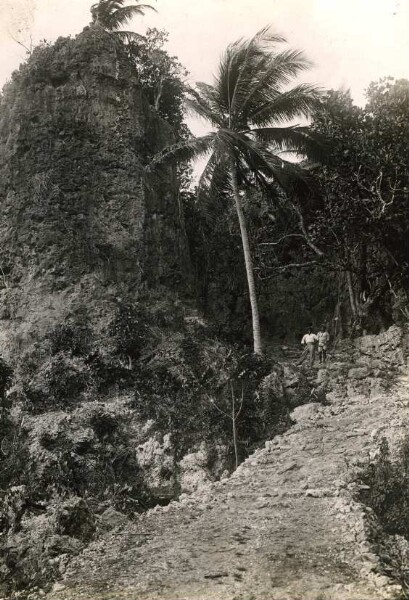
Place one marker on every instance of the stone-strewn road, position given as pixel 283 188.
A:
pixel 283 527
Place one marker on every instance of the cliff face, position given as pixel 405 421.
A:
pixel 80 226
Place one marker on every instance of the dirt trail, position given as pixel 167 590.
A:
pixel 283 527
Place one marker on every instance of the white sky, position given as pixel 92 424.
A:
pixel 351 42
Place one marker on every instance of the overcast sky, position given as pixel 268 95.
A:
pixel 351 42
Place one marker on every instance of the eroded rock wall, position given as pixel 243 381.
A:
pixel 80 225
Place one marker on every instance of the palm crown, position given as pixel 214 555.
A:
pixel 111 14
pixel 247 106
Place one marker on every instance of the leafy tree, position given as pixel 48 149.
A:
pixel 161 75
pixel 362 224
pixel 246 107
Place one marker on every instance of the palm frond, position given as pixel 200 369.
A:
pixel 248 57
pixel 126 13
pixel 266 167
pixel 213 185
pixel 300 100
pixel 183 151
pixel 248 154
pixel 270 75
pixel 107 5
pixel 298 140
pixel 205 178
pixel 215 179
pixel 111 14
pixel 294 180
pixel 203 105
pixel 228 74
pixel 209 94
pixel 127 36
pixel 102 10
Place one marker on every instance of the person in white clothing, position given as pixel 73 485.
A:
pixel 323 339
pixel 308 341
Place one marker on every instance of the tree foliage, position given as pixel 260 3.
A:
pixel 246 107
pixel 363 223
pixel 341 254
pixel 161 75
pixel 112 14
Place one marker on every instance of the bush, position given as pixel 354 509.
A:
pixel 129 330
pixel 60 381
pixel 71 339
pixel 186 389
pixel 6 376
pixel 74 518
pixel 109 371
pixel 387 480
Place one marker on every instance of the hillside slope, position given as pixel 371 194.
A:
pixel 286 525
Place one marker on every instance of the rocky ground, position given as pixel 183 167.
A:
pixel 286 525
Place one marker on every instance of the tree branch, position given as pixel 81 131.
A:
pixel 26 48
pixel 281 239
pixel 290 266
pixel 304 230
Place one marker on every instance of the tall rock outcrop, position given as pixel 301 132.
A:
pixel 80 226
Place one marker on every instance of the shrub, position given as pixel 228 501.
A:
pixel 6 376
pixel 129 330
pixel 71 339
pixel 74 518
pixel 186 389
pixel 60 381
pixel 109 371
pixel 387 493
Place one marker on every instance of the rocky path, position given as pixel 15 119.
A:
pixel 284 526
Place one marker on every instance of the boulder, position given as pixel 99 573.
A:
pixel 194 470
pixel 388 347
pixel 306 412
pixel 359 373
pixel 110 519
pixel 156 460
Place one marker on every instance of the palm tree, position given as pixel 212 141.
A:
pixel 111 14
pixel 248 107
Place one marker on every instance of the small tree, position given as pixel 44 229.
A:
pixel 233 416
pixel 161 75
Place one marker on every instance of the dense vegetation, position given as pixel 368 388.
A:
pixel 339 251
pixel 151 349
pixel 246 107
pixel 385 490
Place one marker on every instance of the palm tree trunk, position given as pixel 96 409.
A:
pixel 248 262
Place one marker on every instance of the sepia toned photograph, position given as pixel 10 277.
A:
pixel 204 300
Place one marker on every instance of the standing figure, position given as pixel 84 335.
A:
pixel 308 340
pixel 323 339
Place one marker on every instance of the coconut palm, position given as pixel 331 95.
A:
pixel 248 107
pixel 111 14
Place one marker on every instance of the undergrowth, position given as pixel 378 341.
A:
pixel 386 482
pixel 89 399
pixel 385 490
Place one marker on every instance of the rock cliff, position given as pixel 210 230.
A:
pixel 80 226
